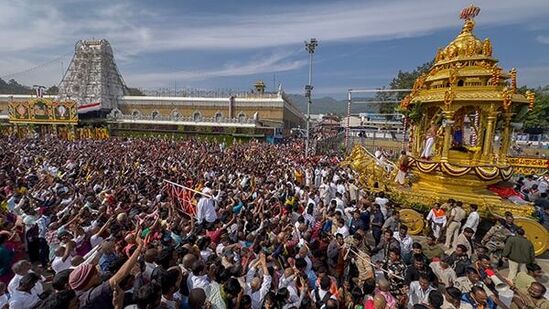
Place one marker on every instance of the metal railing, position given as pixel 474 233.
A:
pixel 203 93
pixel 181 118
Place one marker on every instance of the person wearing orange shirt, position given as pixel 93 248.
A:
pixel 437 219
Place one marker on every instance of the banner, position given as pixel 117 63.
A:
pixel 181 195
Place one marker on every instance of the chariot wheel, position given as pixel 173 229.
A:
pixel 413 220
pixel 535 232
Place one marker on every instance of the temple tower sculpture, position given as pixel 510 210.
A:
pixel 92 78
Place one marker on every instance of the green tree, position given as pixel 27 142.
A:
pixel 538 117
pixel 53 90
pixel 13 87
pixel 135 92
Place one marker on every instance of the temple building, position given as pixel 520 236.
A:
pixel 94 83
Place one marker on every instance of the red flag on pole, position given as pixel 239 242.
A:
pixel 182 197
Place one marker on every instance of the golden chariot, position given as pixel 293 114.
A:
pixel 461 114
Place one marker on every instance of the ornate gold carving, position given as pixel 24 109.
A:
pixel 468 26
pixel 513 74
pixel 496 75
pixel 439 55
pixel 487 48
pixel 471 48
pixel 531 97
pixel 507 96
pixel 405 102
pixel 459 174
pixel 449 97
pixel 418 84
pixel 453 76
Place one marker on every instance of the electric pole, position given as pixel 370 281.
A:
pixel 310 47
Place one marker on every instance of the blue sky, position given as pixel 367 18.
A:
pixel 232 43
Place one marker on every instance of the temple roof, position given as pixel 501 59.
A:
pixel 465 70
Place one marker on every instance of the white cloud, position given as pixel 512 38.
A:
pixel 131 28
pixel 51 28
pixel 277 62
pixel 543 39
pixel 533 76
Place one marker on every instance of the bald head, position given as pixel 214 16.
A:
pixel 197 298
pixel 21 267
pixel 188 260
pixel 383 285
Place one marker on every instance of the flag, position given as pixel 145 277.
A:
pixel 181 197
pixel 84 108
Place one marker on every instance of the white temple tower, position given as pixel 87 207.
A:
pixel 92 78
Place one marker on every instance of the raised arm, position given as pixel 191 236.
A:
pixel 115 280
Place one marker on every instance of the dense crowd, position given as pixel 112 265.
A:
pixel 93 224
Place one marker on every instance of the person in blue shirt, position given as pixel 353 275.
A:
pixel 356 223
pixel 301 266
pixel 478 298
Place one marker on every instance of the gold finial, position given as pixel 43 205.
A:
pixel 531 96
pixel 468 14
pixel 513 73
pixel 487 48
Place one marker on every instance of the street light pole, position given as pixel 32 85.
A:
pixel 310 47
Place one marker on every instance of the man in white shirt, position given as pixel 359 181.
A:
pixel 205 209
pixel 198 278
pixel 318 178
pixel 382 201
pixel 21 268
pixel 473 219
pixel 255 287
pixel 341 188
pixel 61 261
pixel 405 242
pixel 25 295
pixel 419 291
pixel 324 191
pixel 342 228
pixel 339 202
pixel 353 191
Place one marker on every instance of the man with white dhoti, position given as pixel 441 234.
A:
pixel 437 219
pixel 427 152
pixel 402 168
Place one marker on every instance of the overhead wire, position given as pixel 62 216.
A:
pixel 36 67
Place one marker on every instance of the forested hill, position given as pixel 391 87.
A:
pixel 13 87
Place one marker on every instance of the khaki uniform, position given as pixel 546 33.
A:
pixel 457 214
pixel 495 239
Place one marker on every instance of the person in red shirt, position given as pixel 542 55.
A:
pixel 216 230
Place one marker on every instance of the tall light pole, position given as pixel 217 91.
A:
pixel 310 47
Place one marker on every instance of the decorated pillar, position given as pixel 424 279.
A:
pixel 448 118
pixel 506 137
pixel 488 135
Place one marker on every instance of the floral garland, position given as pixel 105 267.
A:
pixel 483 172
